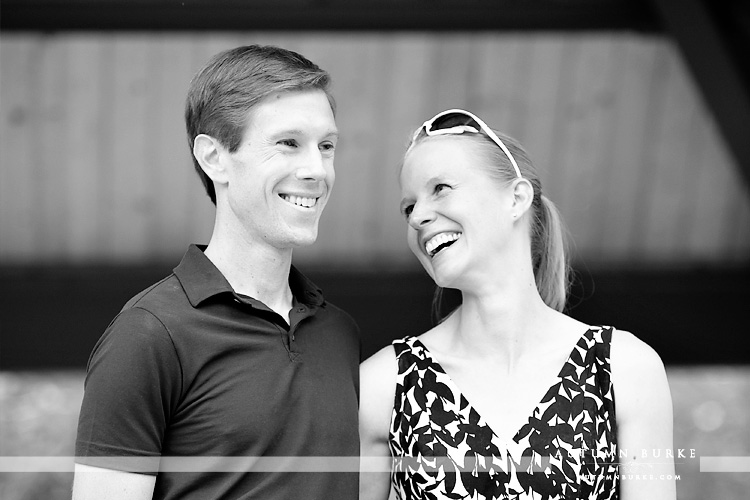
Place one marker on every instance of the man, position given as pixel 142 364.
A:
pixel 235 354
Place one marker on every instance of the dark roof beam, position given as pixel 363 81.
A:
pixel 373 15
pixel 706 42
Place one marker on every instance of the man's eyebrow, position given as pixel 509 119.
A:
pixel 297 131
pixel 287 131
pixel 333 132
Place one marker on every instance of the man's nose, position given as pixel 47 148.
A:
pixel 312 166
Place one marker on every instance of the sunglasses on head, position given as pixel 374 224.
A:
pixel 458 121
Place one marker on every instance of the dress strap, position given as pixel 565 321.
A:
pixel 599 354
pixel 603 336
pixel 408 354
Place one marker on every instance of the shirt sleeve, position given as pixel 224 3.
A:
pixel 133 383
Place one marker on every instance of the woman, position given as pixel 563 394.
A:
pixel 507 397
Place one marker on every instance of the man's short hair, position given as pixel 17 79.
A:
pixel 232 82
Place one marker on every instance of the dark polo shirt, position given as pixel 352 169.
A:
pixel 189 368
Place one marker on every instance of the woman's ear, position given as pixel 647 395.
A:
pixel 209 153
pixel 523 196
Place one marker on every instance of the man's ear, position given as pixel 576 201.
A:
pixel 523 195
pixel 210 155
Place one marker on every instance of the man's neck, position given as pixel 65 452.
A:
pixel 255 270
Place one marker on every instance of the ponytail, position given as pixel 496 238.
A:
pixel 549 254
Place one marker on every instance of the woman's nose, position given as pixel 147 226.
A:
pixel 421 216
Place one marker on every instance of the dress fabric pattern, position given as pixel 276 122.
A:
pixel 443 449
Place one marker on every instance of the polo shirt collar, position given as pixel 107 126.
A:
pixel 201 280
pixel 305 290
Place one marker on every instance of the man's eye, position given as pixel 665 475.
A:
pixel 408 210
pixel 441 187
pixel 288 142
pixel 327 146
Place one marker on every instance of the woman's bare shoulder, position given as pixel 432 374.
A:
pixel 383 360
pixel 377 391
pixel 630 353
pixel 638 376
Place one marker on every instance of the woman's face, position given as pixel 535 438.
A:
pixel 459 219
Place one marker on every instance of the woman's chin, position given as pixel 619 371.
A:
pixel 442 271
pixel 443 278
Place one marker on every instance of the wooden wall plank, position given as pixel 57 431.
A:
pixel 705 237
pixel 643 193
pixel 451 72
pixel 670 165
pixel 606 137
pixel 559 150
pixel 742 227
pixel 543 87
pixel 17 113
pixel 82 134
pixel 131 177
pixel 102 143
pixel 172 65
pixel 734 202
pixel 632 88
pixel 499 82
pixel 571 121
pixel 50 152
pixel 589 140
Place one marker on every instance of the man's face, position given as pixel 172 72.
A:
pixel 281 176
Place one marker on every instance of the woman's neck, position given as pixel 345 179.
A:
pixel 506 318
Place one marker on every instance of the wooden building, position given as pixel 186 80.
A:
pixel 646 159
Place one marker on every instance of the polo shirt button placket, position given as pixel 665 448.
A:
pixel 300 309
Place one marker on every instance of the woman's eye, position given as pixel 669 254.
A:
pixel 327 147
pixel 288 142
pixel 441 187
pixel 408 210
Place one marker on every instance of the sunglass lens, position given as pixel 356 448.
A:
pixel 453 120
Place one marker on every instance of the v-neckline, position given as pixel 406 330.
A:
pixel 581 343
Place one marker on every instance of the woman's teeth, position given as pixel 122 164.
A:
pixel 440 241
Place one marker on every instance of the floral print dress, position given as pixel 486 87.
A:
pixel 443 449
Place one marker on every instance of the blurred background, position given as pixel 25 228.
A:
pixel 636 112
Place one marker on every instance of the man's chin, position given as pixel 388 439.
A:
pixel 303 240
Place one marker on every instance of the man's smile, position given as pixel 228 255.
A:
pixel 299 201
